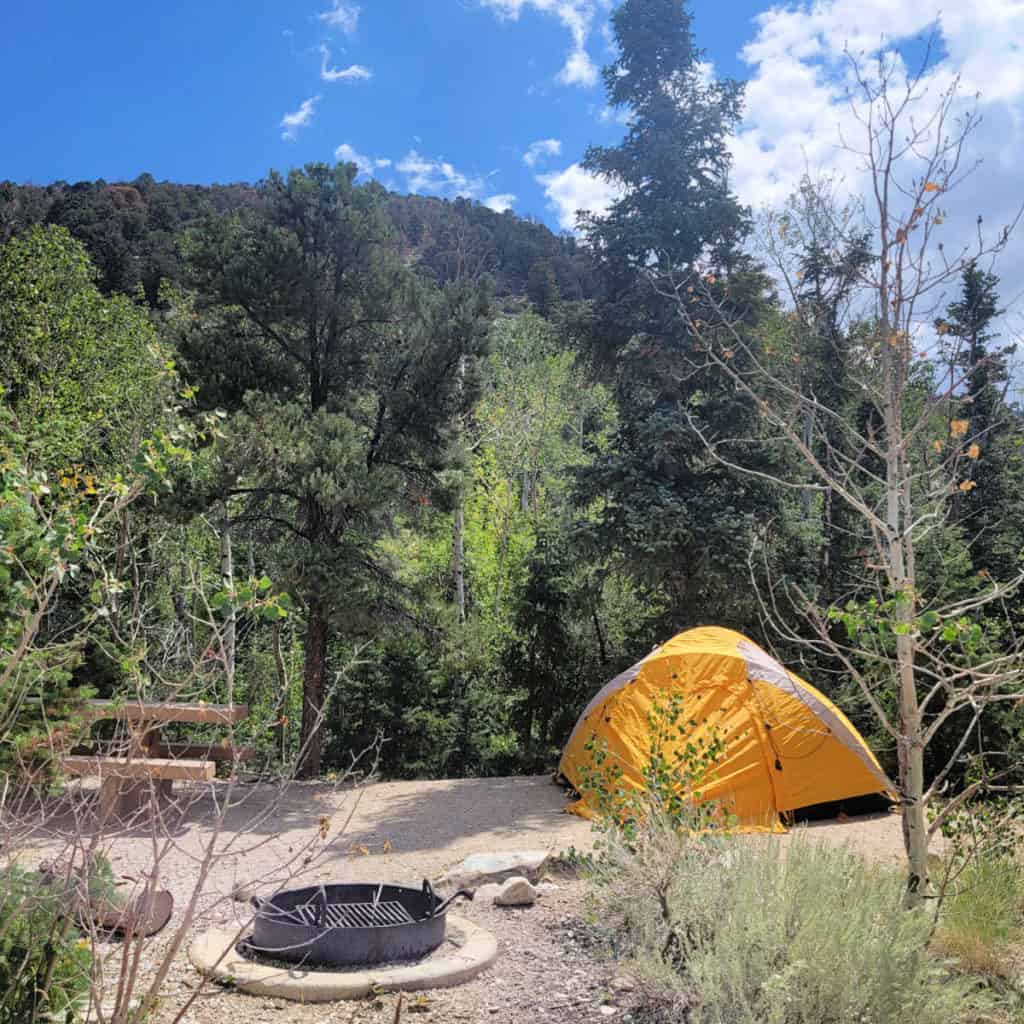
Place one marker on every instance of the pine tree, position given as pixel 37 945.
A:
pixel 347 372
pixel 981 374
pixel 665 504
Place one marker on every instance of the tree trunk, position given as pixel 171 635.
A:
pixel 227 581
pixel 902 579
pixel 915 830
pixel 600 637
pixel 281 704
pixel 459 526
pixel 459 560
pixel 314 670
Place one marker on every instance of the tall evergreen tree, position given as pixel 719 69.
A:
pixel 542 287
pixel 996 471
pixel 359 380
pixel 675 207
pixel 667 505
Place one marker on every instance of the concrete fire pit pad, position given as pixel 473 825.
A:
pixel 476 950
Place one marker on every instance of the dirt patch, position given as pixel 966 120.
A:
pixel 402 832
pixel 547 970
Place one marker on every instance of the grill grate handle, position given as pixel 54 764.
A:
pixel 435 906
pixel 321 907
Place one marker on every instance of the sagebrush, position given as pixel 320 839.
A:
pixel 722 931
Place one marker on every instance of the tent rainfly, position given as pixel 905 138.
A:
pixel 786 746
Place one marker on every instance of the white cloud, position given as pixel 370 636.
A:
pixel 500 203
pixel 348 155
pixel 382 162
pixel 797 112
pixel 437 177
pixel 354 72
pixel 609 115
pixel 575 189
pixel 540 150
pixel 578 16
pixel 579 69
pixel 291 123
pixel 342 15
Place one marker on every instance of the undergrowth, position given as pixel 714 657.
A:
pixel 718 930
pixel 45 966
pixel 982 919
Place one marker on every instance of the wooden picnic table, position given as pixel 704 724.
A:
pixel 150 766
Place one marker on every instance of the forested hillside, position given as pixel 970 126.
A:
pixel 132 231
pixel 433 473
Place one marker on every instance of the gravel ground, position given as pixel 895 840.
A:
pixel 546 971
pixel 403 832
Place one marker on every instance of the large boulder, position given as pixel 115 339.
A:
pixel 481 868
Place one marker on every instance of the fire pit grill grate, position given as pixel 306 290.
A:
pixel 343 925
pixel 356 915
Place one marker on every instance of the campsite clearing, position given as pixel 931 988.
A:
pixel 410 830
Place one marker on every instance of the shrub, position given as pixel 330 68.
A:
pixel 44 963
pixel 725 931
pixel 983 915
pixel 672 779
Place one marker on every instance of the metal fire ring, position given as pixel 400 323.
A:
pixel 348 925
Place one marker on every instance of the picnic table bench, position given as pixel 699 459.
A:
pixel 128 780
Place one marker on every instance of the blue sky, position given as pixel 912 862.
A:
pixel 196 91
pixel 493 99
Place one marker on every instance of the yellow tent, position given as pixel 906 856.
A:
pixel 786 745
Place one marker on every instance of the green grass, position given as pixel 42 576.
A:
pixel 982 921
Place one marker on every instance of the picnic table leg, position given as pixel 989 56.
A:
pixel 137 793
pixel 122 798
pixel 110 799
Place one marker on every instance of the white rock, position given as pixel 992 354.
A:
pixel 621 984
pixel 485 894
pixel 516 892
pixel 608 1011
pixel 495 867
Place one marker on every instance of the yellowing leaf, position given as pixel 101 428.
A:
pixel 974 451
pixel 938 446
pixel 968 485
pixel 957 428
pixel 930 186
